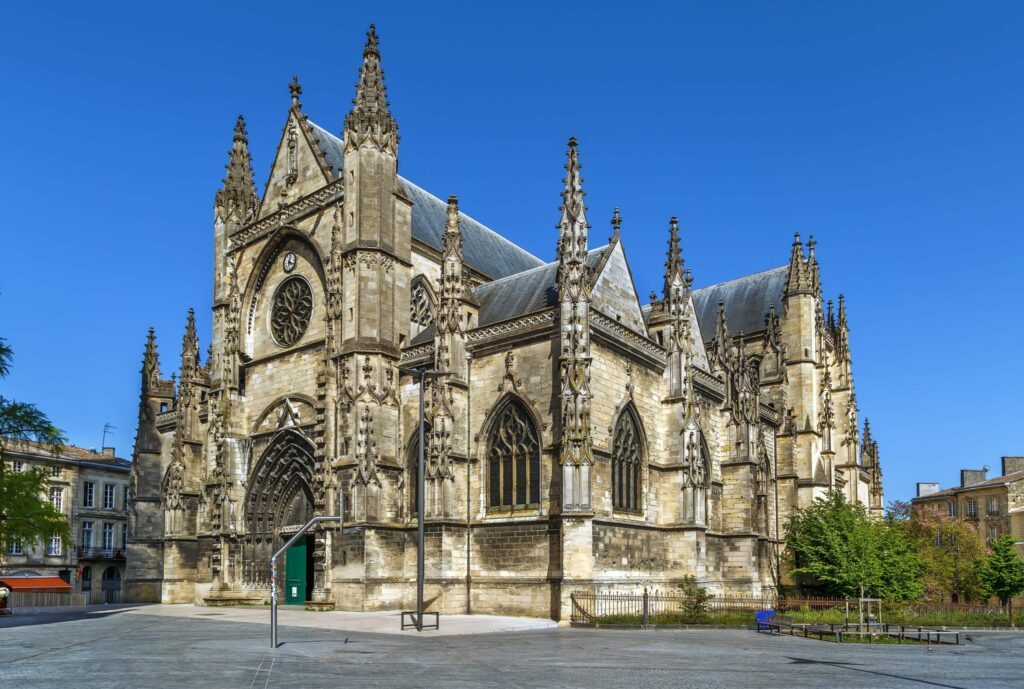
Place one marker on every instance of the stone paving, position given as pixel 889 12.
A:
pixel 154 648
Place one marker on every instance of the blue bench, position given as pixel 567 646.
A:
pixel 765 620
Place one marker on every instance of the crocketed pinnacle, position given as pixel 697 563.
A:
pixel 675 267
pixel 451 242
pixel 238 190
pixel 150 361
pixel 189 347
pixel 800 279
pixel 370 117
pixel 572 228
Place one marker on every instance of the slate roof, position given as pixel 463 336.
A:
pixel 747 301
pixel 996 481
pixel 525 292
pixel 483 249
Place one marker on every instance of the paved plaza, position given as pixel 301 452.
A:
pixel 183 646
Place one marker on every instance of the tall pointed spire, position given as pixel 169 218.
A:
pixel 573 226
pixel 150 362
pixel 370 120
pixel 238 190
pixel 676 277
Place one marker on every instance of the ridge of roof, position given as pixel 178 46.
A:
pixel 741 278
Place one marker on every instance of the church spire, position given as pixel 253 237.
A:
pixel 238 190
pixel 150 362
pixel 370 120
pixel 675 268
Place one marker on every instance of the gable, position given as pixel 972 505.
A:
pixel 297 170
pixel 614 293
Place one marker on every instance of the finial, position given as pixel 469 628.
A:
pixel 295 90
pixel 572 142
pixel 371 42
pixel 654 296
pixel 810 247
pixel 240 134
pixel 616 225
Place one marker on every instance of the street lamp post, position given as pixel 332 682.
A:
pixel 422 374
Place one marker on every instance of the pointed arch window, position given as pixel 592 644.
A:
pixel 421 309
pixel 627 459
pixel 513 458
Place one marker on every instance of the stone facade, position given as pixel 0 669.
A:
pixel 91 488
pixel 994 505
pixel 581 439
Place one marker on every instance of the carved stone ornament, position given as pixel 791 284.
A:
pixel 291 311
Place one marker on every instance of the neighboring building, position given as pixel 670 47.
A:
pixel 91 488
pixel 585 439
pixel 994 505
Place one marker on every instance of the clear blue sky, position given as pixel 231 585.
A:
pixel 891 131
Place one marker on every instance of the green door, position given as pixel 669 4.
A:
pixel 295 574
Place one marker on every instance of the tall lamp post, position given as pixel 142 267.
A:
pixel 422 374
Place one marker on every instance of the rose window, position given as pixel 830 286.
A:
pixel 291 310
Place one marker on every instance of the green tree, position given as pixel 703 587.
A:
pixel 838 545
pixel 26 516
pixel 1003 572
pixel 952 551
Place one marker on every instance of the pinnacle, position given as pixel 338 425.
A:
pixel 674 264
pixel 240 134
pixel 371 42
pixel 616 226
pixel 370 116
pixel 295 90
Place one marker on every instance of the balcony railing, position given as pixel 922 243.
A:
pixel 101 553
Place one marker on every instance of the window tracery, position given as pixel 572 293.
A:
pixel 422 304
pixel 290 311
pixel 513 453
pixel 627 457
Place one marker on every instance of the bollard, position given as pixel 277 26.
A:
pixel 647 616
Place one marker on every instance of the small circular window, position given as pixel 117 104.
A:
pixel 290 311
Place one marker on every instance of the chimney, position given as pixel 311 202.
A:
pixel 1012 464
pixel 968 477
pixel 108 452
pixel 924 489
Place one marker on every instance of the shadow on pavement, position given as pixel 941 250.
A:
pixel 37 619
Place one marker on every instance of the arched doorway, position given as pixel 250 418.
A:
pixel 279 500
pixel 111 585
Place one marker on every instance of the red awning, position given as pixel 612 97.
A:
pixel 35 584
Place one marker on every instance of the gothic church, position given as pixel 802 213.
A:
pixel 581 439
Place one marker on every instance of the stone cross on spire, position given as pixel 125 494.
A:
pixel 238 191
pixel 295 90
pixel 616 226
pixel 370 120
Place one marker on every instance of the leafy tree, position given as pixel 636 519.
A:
pixel 26 515
pixel 1003 572
pixel 952 551
pixel 837 544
